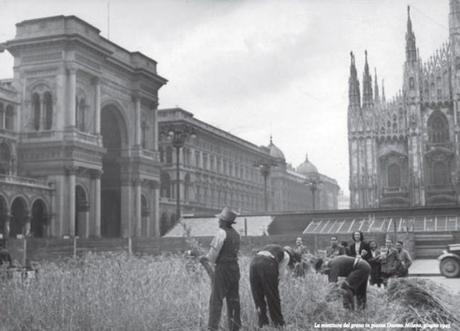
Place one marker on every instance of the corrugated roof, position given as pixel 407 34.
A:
pixel 207 226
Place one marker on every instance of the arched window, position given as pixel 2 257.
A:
pixel 36 110
pixel 48 105
pixel 165 187
pixel 5 158
pixel 197 159
pixel 82 203
pixel 145 212
pixel 81 113
pixel 9 118
pixel 438 128
pixel 169 153
pixel 394 175
pixel 187 187
pixel 144 128
pixel 2 114
pixel 411 83
pixel 144 206
pixel 440 173
pixel 39 219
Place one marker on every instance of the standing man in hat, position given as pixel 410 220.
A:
pixel 265 271
pixel 224 253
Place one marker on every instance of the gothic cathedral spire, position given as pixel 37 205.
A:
pixel 367 85
pixel 354 98
pixel 411 49
pixel 376 88
pixel 383 91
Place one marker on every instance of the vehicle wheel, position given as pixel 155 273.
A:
pixel 450 267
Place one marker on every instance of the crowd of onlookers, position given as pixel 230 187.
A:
pixel 387 260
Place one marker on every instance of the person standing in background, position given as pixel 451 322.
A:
pixel 389 261
pixel 405 258
pixel 359 247
pixel 335 249
pixel 375 277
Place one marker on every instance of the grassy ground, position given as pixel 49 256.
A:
pixel 117 292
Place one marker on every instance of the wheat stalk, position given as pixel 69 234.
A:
pixel 197 250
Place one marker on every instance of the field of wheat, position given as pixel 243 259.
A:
pixel 121 292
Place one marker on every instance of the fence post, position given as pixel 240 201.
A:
pixel 75 247
pixel 130 246
pixel 24 254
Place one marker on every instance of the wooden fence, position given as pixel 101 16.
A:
pixel 39 249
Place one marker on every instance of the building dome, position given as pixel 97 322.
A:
pixel 275 152
pixel 307 168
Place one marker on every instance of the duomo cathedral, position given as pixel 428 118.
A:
pixel 405 152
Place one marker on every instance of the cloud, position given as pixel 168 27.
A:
pixel 259 67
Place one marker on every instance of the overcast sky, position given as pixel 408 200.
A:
pixel 259 67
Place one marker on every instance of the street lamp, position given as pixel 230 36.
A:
pixel 314 182
pixel 178 135
pixel 265 167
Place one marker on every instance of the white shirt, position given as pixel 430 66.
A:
pixel 216 245
pixel 357 244
pixel 282 265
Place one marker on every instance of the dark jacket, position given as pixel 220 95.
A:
pixel 335 251
pixel 363 245
pixel 342 266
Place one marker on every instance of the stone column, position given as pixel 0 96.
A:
pixel 71 174
pixel 126 206
pixel 137 208
pixel 155 136
pixel 2 118
pixel 95 227
pixel 97 106
pixel 60 109
pixel 155 212
pixel 27 225
pixel 71 93
pixel 137 121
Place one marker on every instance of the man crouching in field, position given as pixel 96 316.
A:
pixel 224 253
pixel 356 270
pixel 266 268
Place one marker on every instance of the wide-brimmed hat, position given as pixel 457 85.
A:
pixel 227 215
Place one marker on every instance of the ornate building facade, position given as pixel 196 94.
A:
pixel 78 134
pixel 217 168
pixel 406 151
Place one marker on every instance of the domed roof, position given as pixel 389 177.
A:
pixel 275 151
pixel 307 168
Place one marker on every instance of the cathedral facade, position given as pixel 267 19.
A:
pixel 405 151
